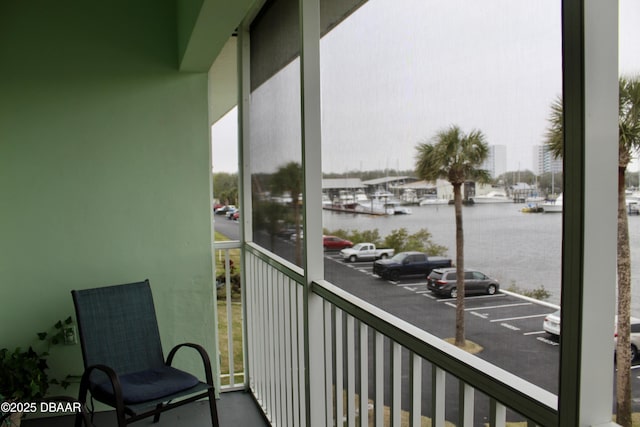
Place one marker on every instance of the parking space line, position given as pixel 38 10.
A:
pixel 521 317
pixel 548 341
pixel 445 300
pixel 508 326
pixel 483 316
pixel 498 306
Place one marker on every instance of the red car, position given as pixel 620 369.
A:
pixel 333 243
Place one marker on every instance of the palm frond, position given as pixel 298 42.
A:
pixel 452 155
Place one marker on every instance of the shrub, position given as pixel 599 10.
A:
pixel 539 293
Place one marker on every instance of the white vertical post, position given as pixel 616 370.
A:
pixel 438 377
pixel 339 368
pixel 379 379
pixel 229 309
pixel 328 357
pixel 396 384
pixel 416 390
pixel 466 405
pixel 351 372
pixel 312 197
pixel 364 375
pixel 498 415
pixel 600 208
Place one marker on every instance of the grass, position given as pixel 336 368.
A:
pixel 405 416
pixel 469 347
pixel 234 255
pixel 236 319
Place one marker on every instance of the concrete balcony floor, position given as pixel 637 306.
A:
pixel 234 409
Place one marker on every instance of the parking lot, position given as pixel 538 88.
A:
pixel 507 325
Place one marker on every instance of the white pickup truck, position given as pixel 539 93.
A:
pixel 365 252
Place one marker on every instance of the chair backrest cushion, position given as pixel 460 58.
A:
pixel 118 327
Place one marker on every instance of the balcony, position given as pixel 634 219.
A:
pixel 234 409
pixel 387 369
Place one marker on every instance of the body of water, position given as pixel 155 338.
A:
pixel 513 247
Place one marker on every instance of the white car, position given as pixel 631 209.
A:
pixel 551 323
pixel 634 325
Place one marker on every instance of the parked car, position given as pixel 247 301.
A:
pixel 443 281
pixel 551 323
pixel 333 243
pixel 364 252
pixel 408 263
pixel 286 232
pixel 230 211
pixel 634 338
pixel 224 210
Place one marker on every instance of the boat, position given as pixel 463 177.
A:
pixel 390 204
pixel 492 197
pixel 409 197
pixel 326 201
pixel 432 201
pixel 534 199
pixel 345 200
pixel 532 208
pixel 553 206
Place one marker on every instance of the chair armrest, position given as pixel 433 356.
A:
pixel 203 355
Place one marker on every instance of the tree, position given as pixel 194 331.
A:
pixel 456 157
pixel 628 145
pixel 288 178
pixel 225 187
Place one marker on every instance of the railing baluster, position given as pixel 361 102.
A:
pixel 277 351
pixel 416 389
pixel 498 415
pixel 379 379
pixel 229 307
pixel 328 361
pixel 351 372
pixel 396 384
pixel 288 396
pixel 339 357
pixel 466 405
pixel 364 375
pixel 437 396
pixel 300 349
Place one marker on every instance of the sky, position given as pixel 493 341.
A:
pixel 393 75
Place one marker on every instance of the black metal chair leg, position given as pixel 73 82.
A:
pixel 156 417
pixel 213 408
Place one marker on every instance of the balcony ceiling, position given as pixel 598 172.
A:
pixel 204 28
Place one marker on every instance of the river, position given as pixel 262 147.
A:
pixel 513 247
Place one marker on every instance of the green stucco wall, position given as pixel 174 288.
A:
pixel 104 167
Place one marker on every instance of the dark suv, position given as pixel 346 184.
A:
pixel 442 281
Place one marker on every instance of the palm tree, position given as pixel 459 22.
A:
pixel 456 157
pixel 288 178
pixel 628 145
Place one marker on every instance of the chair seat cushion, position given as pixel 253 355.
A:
pixel 151 384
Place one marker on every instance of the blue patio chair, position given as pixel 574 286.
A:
pixel 123 358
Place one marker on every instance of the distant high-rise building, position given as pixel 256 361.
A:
pixel 544 161
pixel 496 162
